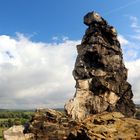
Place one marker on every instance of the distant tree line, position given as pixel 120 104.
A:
pixel 15 115
pixel 10 122
pixel 10 118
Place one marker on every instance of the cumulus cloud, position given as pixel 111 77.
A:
pixel 134 78
pixel 123 41
pixel 129 48
pixel 35 74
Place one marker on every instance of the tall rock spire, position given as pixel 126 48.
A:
pixel 100 74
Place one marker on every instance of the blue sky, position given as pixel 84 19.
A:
pixel 44 19
pixel 38 41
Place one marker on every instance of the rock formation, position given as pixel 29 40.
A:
pixel 103 98
pixel 100 74
pixel 48 124
pixel 106 126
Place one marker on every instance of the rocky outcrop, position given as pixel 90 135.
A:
pixel 103 99
pixel 48 124
pixel 106 126
pixel 100 74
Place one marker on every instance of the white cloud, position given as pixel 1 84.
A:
pixel 129 48
pixel 40 74
pixel 35 74
pixel 134 78
pixel 65 38
pixel 123 41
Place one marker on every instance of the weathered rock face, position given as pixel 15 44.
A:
pixel 106 126
pixel 103 98
pixel 48 124
pixel 100 74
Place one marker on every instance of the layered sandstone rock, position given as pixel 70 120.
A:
pixel 100 74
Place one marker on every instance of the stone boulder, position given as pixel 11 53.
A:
pixel 16 133
pixel 100 74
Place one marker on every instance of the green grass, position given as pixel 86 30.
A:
pixel 1 132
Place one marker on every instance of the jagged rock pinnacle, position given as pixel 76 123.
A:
pixel 101 89
pixel 92 17
pixel 100 74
